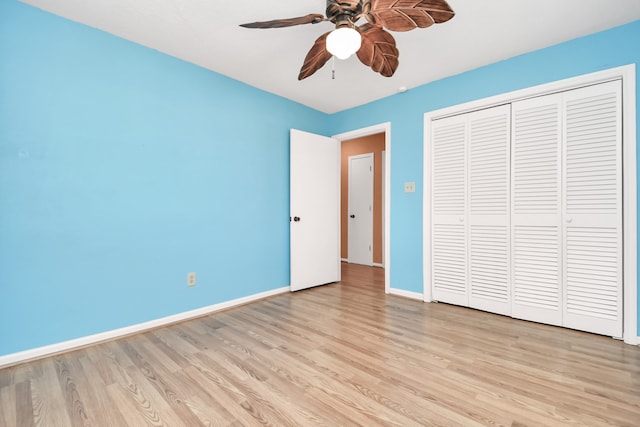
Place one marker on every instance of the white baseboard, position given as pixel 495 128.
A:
pixel 375 264
pixel 406 294
pixel 23 356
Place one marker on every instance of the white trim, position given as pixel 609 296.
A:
pixel 534 91
pixel 374 264
pixel 627 74
pixel 384 202
pixel 372 130
pixel 426 210
pixel 629 202
pixel 23 356
pixel 406 294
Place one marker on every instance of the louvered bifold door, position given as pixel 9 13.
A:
pixel 593 209
pixel 536 231
pixel 448 203
pixel 488 209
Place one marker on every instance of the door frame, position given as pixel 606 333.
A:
pixel 625 73
pixel 372 130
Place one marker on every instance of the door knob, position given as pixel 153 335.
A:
pixel 296 218
pixel 352 216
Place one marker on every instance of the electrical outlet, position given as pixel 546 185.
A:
pixel 191 279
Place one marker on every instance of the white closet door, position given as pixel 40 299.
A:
pixel 536 209
pixel 448 203
pixel 488 209
pixel 592 182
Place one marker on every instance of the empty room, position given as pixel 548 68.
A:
pixel 324 212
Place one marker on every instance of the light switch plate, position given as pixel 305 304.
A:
pixel 409 187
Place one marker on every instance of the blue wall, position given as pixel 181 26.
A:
pixel 122 169
pixel 612 48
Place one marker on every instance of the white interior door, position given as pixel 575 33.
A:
pixel 449 214
pixel 314 210
pixel 567 210
pixel 489 209
pixel 536 209
pixel 592 207
pixel 360 209
pixel 470 202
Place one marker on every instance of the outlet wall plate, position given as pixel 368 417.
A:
pixel 191 279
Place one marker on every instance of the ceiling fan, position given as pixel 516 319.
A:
pixel 375 47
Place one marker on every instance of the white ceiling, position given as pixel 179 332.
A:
pixel 206 33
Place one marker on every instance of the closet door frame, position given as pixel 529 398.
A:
pixel 627 74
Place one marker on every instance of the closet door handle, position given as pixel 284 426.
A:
pixel 569 220
pixel 461 219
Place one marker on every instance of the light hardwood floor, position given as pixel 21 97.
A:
pixel 341 354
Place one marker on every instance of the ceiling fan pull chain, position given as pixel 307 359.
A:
pixel 333 68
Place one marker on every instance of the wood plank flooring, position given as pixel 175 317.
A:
pixel 338 355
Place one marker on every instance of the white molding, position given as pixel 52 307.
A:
pixel 406 294
pixel 373 264
pixel 36 353
pixel 372 130
pixel 629 201
pixel 627 74
pixel 535 91
pixel 426 210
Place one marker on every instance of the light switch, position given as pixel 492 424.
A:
pixel 409 187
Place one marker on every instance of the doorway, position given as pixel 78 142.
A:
pixel 381 252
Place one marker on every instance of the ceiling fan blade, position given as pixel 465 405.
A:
pixel 378 50
pixel 312 18
pixel 316 58
pixel 405 15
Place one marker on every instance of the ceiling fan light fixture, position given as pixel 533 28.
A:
pixel 375 46
pixel 343 42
